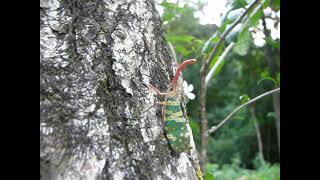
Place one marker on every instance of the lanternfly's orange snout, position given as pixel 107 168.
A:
pixel 180 68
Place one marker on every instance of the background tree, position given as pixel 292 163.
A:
pixel 97 59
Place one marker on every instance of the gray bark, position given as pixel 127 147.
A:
pixel 204 120
pixel 97 59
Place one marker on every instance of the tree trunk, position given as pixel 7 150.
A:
pixel 276 107
pixel 259 139
pixel 97 59
pixel 204 120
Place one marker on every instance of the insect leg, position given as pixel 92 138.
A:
pixel 154 104
pixel 161 103
pixel 158 92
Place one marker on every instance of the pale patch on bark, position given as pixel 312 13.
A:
pixel 129 39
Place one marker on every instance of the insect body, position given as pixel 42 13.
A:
pixel 176 125
pixel 175 122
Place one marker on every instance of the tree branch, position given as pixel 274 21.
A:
pixel 214 128
pixel 224 35
pixel 219 61
pixel 203 86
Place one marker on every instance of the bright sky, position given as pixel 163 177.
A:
pixel 213 11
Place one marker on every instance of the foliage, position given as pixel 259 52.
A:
pixel 246 72
pixel 234 172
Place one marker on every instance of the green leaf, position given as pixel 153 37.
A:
pixel 168 16
pixel 219 68
pixel 197 44
pixel 276 5
pixel 238 4
pixel 215 60
pixel 267 78
pixel 243 44
pixel 234 14
pixel 225 21
pixel 182 50
pixel 182 39
pixel 249 1
pixel 244 98
pixel 276 2
pixel 172 7
pixel 168 5
pixel 209 176
pixel 265 75
pixel 272 115
pixel 211 168
pixel 217 56
pixel 266 4
pixel 209 44
pixel 194 126
pixel 274 43
pixel 254 20
pixel 233 35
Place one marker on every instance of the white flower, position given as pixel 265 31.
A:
pixel 187 89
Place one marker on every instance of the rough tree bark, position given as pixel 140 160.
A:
pixel 97 59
